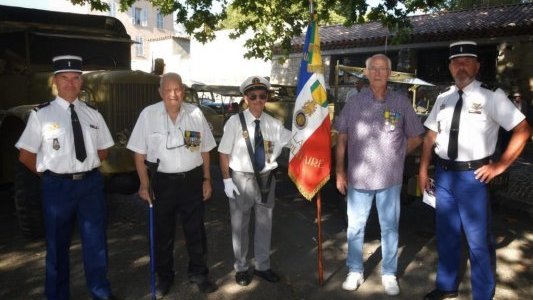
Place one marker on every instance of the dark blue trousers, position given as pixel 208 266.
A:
pixel 463 206
pixel 66 200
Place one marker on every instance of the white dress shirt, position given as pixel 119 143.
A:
pixel 49 135
pixel 178 146
pixel 233 143
pixel 484 110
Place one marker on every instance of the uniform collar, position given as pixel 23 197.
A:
pixel 469 88
pixel 251 118
pixel 184 109
pixel 65 104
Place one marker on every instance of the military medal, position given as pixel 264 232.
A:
pixel 192 140
pixel 55 144
pixel 386 115
pixel 269 150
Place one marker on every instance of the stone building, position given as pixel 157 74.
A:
pixel 504 35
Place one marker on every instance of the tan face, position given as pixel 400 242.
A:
pixel 378 72
pixel 172 93
pixel 256 100
pixel 68 85
pixel 464 70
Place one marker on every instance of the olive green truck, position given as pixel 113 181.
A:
pixel 29 39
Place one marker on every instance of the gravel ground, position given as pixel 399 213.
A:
pixel 294 253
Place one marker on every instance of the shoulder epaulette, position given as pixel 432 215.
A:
pixel 45 104
pixel 91 106
pixel 489 87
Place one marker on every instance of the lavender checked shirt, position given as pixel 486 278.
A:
pixel 377 133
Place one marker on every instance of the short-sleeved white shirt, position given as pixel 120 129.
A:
pixel 233 143
pixel 49 135
pixel 178 146
pixel 484 110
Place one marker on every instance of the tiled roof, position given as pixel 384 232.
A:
pixel 485 22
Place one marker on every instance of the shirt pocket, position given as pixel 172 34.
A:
pixel 477 120
pixel 443 121
pixel 55 143
pixel 156 142
pixel 192 139
pixel 90 134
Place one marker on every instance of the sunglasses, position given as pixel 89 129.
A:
pixel 254 97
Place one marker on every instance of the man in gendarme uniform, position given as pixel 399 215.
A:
pixel 268 136
pixel 175 135
pixel 65 141
pixel 463 127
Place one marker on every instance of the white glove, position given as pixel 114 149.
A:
pixel 230 188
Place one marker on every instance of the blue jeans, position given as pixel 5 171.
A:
pixel 388 206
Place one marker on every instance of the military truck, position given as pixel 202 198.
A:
pixel 29 39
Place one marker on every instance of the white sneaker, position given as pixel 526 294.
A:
pixel 353 281
pixel 390 285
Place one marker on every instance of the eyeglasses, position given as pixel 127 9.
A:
pixel 255 96
pixel 174 140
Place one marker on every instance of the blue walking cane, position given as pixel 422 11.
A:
pixel 152 169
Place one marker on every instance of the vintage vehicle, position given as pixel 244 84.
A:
pixel 29 39
pixel 224 99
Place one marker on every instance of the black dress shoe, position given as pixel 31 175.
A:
pixel 242 278
pixel 206 286
pixel 267 275
pixel 437 294
pixel 162 288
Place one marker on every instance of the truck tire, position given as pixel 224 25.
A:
pixel 28 203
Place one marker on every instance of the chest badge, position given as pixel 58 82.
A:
pixel 475 108
pixel 55 144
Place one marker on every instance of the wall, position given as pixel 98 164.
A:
pixel 222 61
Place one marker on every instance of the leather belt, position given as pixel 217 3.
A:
pixel 450 165
pixel 72 176
pixel 194 172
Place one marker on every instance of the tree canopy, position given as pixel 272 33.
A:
pixel 276 22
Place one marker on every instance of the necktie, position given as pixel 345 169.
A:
pixel 79 144
pixel 259 153
pixel 454 129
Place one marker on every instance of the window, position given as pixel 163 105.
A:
pixel 139 46
pixel 144 18
pixel 160 20
pixel 136 16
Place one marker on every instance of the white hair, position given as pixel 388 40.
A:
pixel 376 56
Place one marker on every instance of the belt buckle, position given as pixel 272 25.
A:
pixel 78 176
pixel 469 164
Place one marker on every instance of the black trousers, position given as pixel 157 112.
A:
pixel 180 194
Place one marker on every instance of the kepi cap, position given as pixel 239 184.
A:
pixel 67 63
pixel 255 83
pixel 463 48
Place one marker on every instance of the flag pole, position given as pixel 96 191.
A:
pixel 318 210
pixel 319 239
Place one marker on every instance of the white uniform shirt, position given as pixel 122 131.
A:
pixel 49 135
pixel 177 146
pixel 233 143
pixel 482 113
